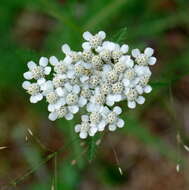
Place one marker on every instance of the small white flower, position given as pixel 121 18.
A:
pixel 117 88
pixel 142 85
pixel 97 62
pixel 142 70
pixel 73 100
pixel 97 121
pixel 113 120
pixel 105 88
pixel 87 55
pixel 34 90
pixel 60 67
pixel 59 80
pixel 38 72
pixel 55 102
pixel 145 58
pixel 133 97
pixel 130 79
pixel 106 51
pixel 47 87
pixel 93 41
pixel 112 76
pixel 118 52
pixel 126 59
pixel 59 113
pixel 84 129
pixel 71 56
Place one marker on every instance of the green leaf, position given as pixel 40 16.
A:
pixel 119 37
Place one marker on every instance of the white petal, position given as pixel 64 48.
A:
pixel 73 109
pixel 140 70
pixel 31 65
pixel 28 75
pixel 39 97
pixel 68 87
pixel 47 86
pixel 60 91
pixel 101 126
pixel 107 68
pixel 124 48
pixel 147 71
pixel 148 52
pixel 62 101
pixel 26 84
pixel 76 89
pixel 70 74
pixel 83 135
pixel 105 111
pixel 47 70
pixel 99 49
pixel 51 107
pixel 102 35
pixel 77 128
pixel 67 60
pixel 86 46
pixel 53 116
pixel 147 89
pixel 40 81
pixel 123 58
pixel 110 102
pixel 53 60
pixel 97 91
pixel 140 100
pixel 82 101
pixel 87 35
pixel 117 110
pixel 85 118
pixel 135 52
pixel 69 116
pixel 84 78
pixel 139 89
pixel 58 104
pixel 112 127
pixel 92 131
pixel 86 65
pixel 130 63
pixel 117 97
pixel 126 82
pixel 131 104
pixel 110 46
pixel 120 123
pixel 91 107
pixel 33 99
pixel 152 61
pixel 43 61
pixel 66 49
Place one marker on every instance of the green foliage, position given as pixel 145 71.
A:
pixel 120 36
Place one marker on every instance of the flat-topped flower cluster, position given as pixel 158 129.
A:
pixel 95 79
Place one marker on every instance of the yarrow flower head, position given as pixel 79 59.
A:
pixel 93 79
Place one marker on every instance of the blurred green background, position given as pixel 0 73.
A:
pixel 144 154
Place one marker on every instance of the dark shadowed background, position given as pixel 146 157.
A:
pixel 36 154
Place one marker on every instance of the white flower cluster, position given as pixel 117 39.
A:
pixel 96 78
